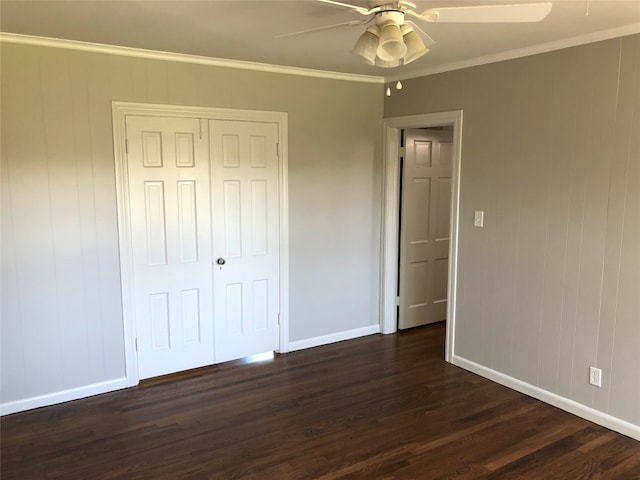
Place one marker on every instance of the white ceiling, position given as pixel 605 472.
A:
pixel 246 30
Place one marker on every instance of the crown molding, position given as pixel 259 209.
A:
pixel 630 29
pixel 181 57
pixel 625 30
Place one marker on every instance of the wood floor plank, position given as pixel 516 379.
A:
pixel 379 407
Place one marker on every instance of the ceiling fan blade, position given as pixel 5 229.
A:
pixel 361 10
pixel 514 13
pixel 326 27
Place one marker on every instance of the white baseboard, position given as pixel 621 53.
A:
pixel 120 383
pixel 63 396
pixel 563 403
pixel 333 337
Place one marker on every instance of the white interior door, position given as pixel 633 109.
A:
pixel 169 207
pixel 245 206
pixel 424 230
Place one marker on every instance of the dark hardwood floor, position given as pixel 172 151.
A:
pixel 379 407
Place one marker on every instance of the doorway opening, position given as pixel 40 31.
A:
pixel 390 267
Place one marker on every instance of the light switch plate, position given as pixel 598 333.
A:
pixel 478 218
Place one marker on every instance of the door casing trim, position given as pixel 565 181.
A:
pixel 120 110
pixel 390 217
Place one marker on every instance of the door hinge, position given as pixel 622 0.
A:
pixel 126 145
pixel 136 344
pixel 397 301
pixel 278 319
pixel 278 150
pixel 402 151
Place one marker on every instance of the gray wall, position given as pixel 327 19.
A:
pixel 551 153
pixel 61 300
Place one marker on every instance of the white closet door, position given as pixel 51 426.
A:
pixel 169 185
pixel 245 206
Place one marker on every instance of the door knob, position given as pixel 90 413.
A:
pixel 221 261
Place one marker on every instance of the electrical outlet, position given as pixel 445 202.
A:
pixel 595 376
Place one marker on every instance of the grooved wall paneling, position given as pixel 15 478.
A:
pixel 551 153
pixel 61 300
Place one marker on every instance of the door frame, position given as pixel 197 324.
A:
pixel 390 217
pixel 120 110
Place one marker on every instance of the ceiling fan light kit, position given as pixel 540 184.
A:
pixel 367 45
pixel 391 45
pixel 390 42
pixel 415 46
pixel 389 64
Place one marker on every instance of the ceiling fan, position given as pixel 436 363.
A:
pixel 391 40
